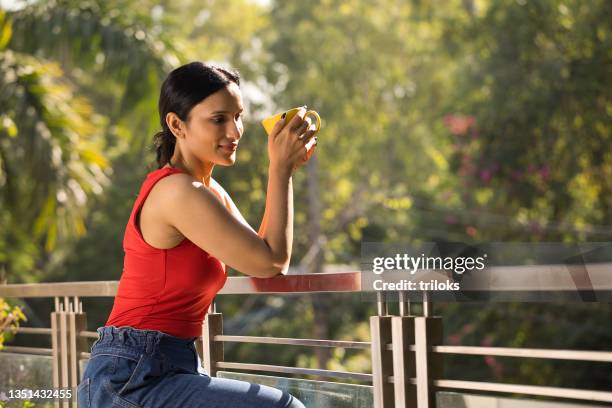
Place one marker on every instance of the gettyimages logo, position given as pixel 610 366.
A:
pixel 411 264
pixel 496 271
pixel 424 269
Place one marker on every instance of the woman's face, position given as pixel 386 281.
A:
pixel 214 127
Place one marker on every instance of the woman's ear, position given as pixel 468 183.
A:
pixel 175 124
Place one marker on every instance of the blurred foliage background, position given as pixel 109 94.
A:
pixel 463 120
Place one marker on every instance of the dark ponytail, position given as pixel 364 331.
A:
pixel 164 142
pixel 184 88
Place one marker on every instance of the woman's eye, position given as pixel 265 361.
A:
pixel 219 119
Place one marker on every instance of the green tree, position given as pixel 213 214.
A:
pixel 60 59
pixel 528 119
pixel 49 158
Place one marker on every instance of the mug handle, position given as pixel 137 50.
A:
pixel 317 118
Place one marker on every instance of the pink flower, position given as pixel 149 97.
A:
pixel 535 227
pixel 459 124
pixel 487 341
pixel 496 366
pixel 454 339
pixel 451 219
pixel 516 174
pixel 467 166
pixel 486 175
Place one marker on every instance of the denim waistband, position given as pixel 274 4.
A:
pixel 132 343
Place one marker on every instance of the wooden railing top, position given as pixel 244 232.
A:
pixel 320 282
pixel 591 277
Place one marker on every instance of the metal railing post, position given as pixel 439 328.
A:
pixel 382 359
pixel 402 329
pixel 55 343
pixel 67 321
pixel 427 333
pixel 78 344
pixel 212 350
pixel 59 343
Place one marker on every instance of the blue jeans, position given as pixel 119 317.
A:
pixel 145 368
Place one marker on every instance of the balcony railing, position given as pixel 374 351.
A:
pixel 406 350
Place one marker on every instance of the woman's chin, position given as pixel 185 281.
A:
pixel 227 160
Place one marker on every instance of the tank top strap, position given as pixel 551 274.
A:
pixel 150 181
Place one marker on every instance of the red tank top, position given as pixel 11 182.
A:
pixel 168 290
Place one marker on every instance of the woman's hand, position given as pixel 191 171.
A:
pixel 287 143
pixel 310 147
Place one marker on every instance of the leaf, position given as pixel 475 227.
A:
pixel 6 30
pixel 8 125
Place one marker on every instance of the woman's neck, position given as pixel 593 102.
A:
pixel 201 171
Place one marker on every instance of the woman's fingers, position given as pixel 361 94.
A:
pixel 303 159
pixel 296 139
pixel 308 134
pixel 297 120
pixel 310 150
pixel 301 130
pixel 294 124
pixel 278 127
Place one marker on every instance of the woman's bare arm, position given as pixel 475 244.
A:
pixel 278 216
pixel 196 212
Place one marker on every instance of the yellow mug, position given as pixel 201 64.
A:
pixel 268 123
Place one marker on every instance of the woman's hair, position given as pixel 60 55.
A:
pixel 185 87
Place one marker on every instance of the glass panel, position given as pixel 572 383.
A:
pixel 313 393
pixel 25 371
pixel 457 400
pixel 21 371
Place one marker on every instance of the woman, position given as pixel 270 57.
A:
pixel 183 231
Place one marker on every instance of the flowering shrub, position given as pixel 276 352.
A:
pixel 10 316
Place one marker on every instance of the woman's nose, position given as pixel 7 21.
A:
pixel 236 131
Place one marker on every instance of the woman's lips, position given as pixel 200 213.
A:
pixel 229 148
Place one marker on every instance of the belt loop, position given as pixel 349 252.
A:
pixel 149 343
pixel 152 341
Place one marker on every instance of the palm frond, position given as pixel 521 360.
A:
pixel 51 162
pixel 106 37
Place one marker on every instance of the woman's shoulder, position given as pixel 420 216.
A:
pixel 221 193
pixel 174 185
pixel 218 187
pixel 173 189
